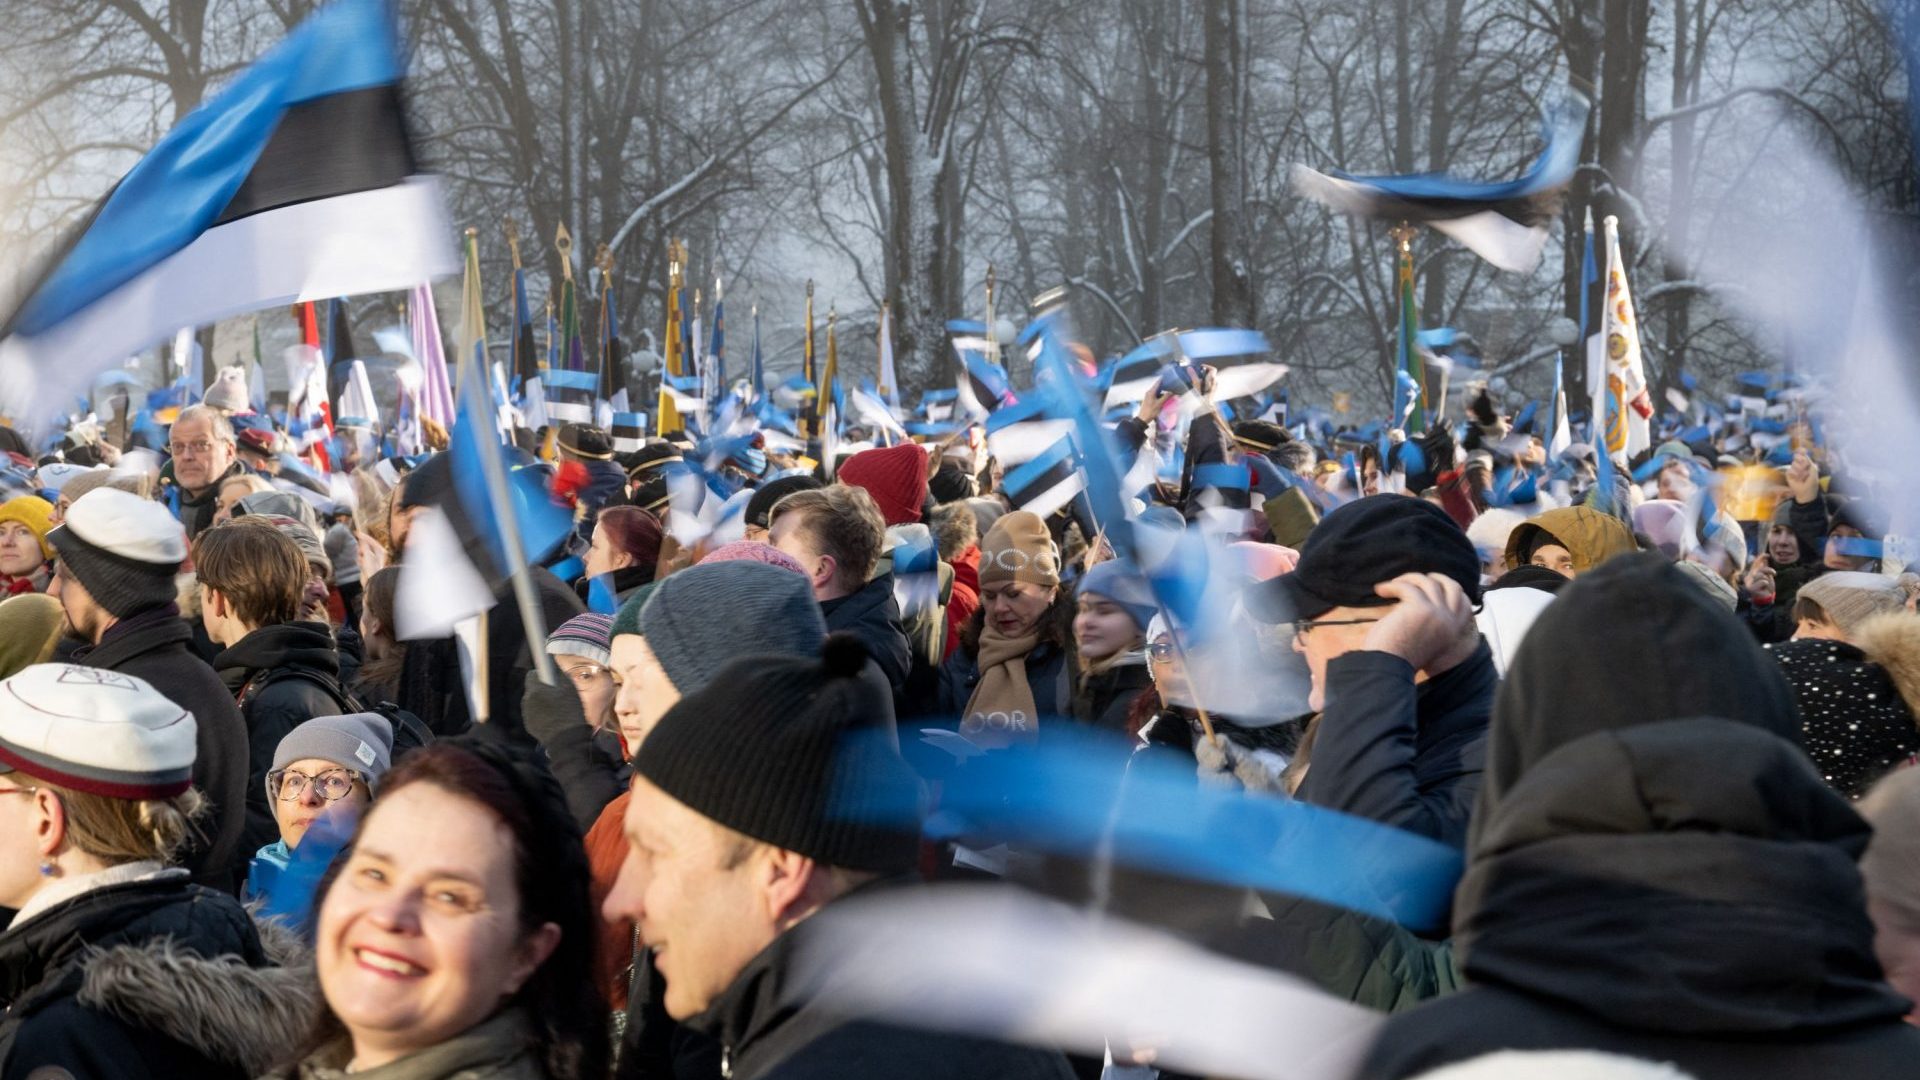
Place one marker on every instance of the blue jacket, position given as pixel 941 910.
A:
pixel 1400 754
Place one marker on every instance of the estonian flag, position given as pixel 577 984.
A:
pixel 297 182
pixel 1504 223
pixel 569 395
pixel 629 431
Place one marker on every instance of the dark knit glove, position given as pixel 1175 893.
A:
pixel 550 712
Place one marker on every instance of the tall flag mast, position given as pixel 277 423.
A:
pixel 812 411
pixel 573 355
pixel 672 362
pixel 526 362
pixel 889 380
pixel 613 354
pixel 1408 362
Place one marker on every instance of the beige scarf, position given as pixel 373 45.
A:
pixel 1001 711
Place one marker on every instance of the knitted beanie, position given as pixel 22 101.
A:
pixel 789 750
pixel 1851 597
pixel 896 477
pixel 35 513
pixel 123 549
pixel 627 619
pixel 1019 548
pixel 362 742
pixel 760 504
pixel 703 616
pixel 589 636
pixel 229 391
pixel 754 551
pixel 135 483
pixel 1119 581
pixel 29 629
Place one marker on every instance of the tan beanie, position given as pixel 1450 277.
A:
pixel 1019 548
pixel 1851 597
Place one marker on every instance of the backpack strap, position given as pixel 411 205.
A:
pixel 263 679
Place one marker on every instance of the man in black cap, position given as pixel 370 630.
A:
pixel 746 820
pixel 1382 608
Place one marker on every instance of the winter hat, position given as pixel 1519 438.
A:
pixel 789 750
pixel 1019 548
pixel 586 442
pixel 229 391
pixel 1663 521
pixel 987 509
pixel 1715 586
pixel 1489 531
pixel 30 625
pixel 645 463
pixel 303 537
pixel 55 475
pixel 123 549
pixel 1361 544
pixel 1851 597
pixel 1589 536
pixel 754 551
pixel 760 504
pixel 77 487
pixel 1119 581
pixel 1259 436
pixel 429 484
pixel 896 477
pixel 362 742
pixel 1559 1064
pixel 35 513
pixel 951 483
pixel 698 619
pixel 589 636
pixel 1264 562
pixel 93 730
pixel 281 503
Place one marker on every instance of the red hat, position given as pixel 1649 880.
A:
pixel 896 477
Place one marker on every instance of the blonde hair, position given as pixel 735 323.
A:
pixel 119 831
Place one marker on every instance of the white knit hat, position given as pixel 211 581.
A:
pixel 97 731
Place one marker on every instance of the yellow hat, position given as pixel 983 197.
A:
pixel 36 514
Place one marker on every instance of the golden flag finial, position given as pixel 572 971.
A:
pixel 563 243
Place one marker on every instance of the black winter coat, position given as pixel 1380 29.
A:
pixel 1403 754
pixel 872 616
pixel 1682 891
pixel 121 983
pixel 1104 698
pixel 765 1035
pixel 155 646
pixel 301 660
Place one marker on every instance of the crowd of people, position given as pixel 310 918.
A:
pixel 253 828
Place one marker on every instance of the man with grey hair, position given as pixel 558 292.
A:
pixel 201 442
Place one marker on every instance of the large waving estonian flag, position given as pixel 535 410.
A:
pixel 297 182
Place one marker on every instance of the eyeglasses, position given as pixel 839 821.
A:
pixel 1162 650
pixel 287 785
pixel 200 446
pixel 1303 627
pixel 18 790
pixel 590 672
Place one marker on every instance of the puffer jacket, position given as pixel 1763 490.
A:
pixel 150 979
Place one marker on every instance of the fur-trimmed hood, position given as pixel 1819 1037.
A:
pixel 250 1016
pixel 1893 641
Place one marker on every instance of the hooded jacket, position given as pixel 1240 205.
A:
pixel 156 979
pixel 155 645
pixel 1682 891
pixel 872 616
pixel 1590 536
pixel 280 675
pixel 768 1032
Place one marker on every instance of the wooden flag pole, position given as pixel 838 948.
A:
pixel 482 675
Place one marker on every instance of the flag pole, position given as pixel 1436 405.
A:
pixel 495 472
pixel 483 674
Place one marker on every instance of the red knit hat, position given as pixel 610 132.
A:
pixel 896 477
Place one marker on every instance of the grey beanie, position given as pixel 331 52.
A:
pixel 362 742
pixel 706 615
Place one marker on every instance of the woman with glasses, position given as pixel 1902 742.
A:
pixel 327 767
pixel 1215 672
pixel 115 963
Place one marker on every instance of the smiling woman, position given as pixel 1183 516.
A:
pixel 455 935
